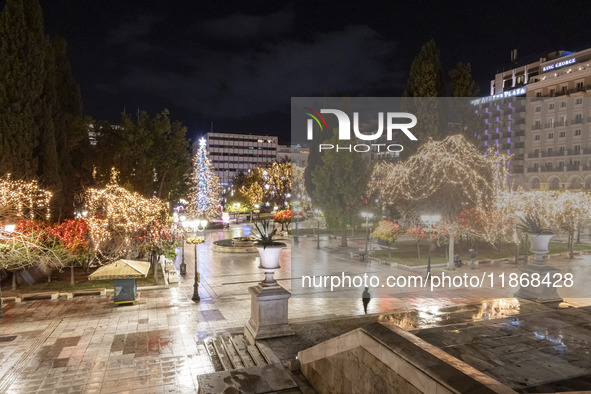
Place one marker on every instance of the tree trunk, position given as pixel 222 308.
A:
pixel 49 277
pixel 72 280
pixel 389 254
pixel 13 280
pixel 1 312
pixel 344 238
pixel 419 250
pixel 450 261
pixel 161 184
pixel 571 244
pixel 156 263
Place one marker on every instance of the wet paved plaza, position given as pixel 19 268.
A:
pixel 87 344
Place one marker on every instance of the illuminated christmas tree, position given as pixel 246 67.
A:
pixel 204 198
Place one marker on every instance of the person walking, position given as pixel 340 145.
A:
pixel 472 258
pixel 365 298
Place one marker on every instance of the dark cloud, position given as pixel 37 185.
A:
pixel 131 31
pixel 243 27
pixel 235 84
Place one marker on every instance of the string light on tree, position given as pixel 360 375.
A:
pixel 204 197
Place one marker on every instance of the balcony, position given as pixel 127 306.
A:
pixel 536 127
pixel 573 168
pixel 577 121
pixel 549 169
pixel 520 134
pixel 533 169
pixel 519 145
pixel 533 155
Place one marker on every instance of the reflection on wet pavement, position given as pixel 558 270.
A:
pixel 540 351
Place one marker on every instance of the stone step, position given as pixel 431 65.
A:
pixel 240 344
pixel 229 352
pixel 213 357
pixel 221 353
pixel 232 352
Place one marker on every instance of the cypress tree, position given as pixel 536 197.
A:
pixel 22 79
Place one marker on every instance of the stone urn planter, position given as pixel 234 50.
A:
pixel 269 256
pixel 540 238
pixel 268 300
pixel 539 246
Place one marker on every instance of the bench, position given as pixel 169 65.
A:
pixel 85 292
pixel 38 296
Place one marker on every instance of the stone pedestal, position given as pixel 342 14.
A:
pixel 268 312
pixel 542 293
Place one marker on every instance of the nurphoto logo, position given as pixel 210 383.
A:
pixel 402 121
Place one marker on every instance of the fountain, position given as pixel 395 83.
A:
pixel 235 245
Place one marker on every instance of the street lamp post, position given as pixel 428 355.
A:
pixel 430 220
pixel 296 204
pixel 183 266
pixel 257 211
pixel 317 212
pixel 197 226
pixel 367 216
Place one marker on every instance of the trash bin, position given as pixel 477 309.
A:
pixel 125 290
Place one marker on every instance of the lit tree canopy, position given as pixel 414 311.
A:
pixel 444 177
pixel 118 217
pixel 21 199
pixel 267 186
pixel 204 198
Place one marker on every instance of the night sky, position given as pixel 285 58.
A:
pixel 237 63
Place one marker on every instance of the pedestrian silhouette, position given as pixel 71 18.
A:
pixel 365 298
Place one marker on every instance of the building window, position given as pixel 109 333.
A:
pixel 577 149
pixel 536 137
pixel 561 149
pixel 550 136
pixel 563 104
pixel 537 152
pixel 550 151
pixel 580 86
pixel 549 166
pixel 579 101
pixel 538 108
pixel 577 132
pixel 551 106
pixel 562 134
pixel 539 94
pixel 552 94
pixel 563 89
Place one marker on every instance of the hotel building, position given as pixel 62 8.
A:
pixel 540 114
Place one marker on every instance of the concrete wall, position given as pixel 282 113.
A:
pixel 377 358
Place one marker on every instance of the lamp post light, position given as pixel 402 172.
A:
pixel 296 204
pixel 257 210
pixel 430 220
pixel 236 208
pixel 367 216
pixel 183 266
pixel 197 226
pixel 318 213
